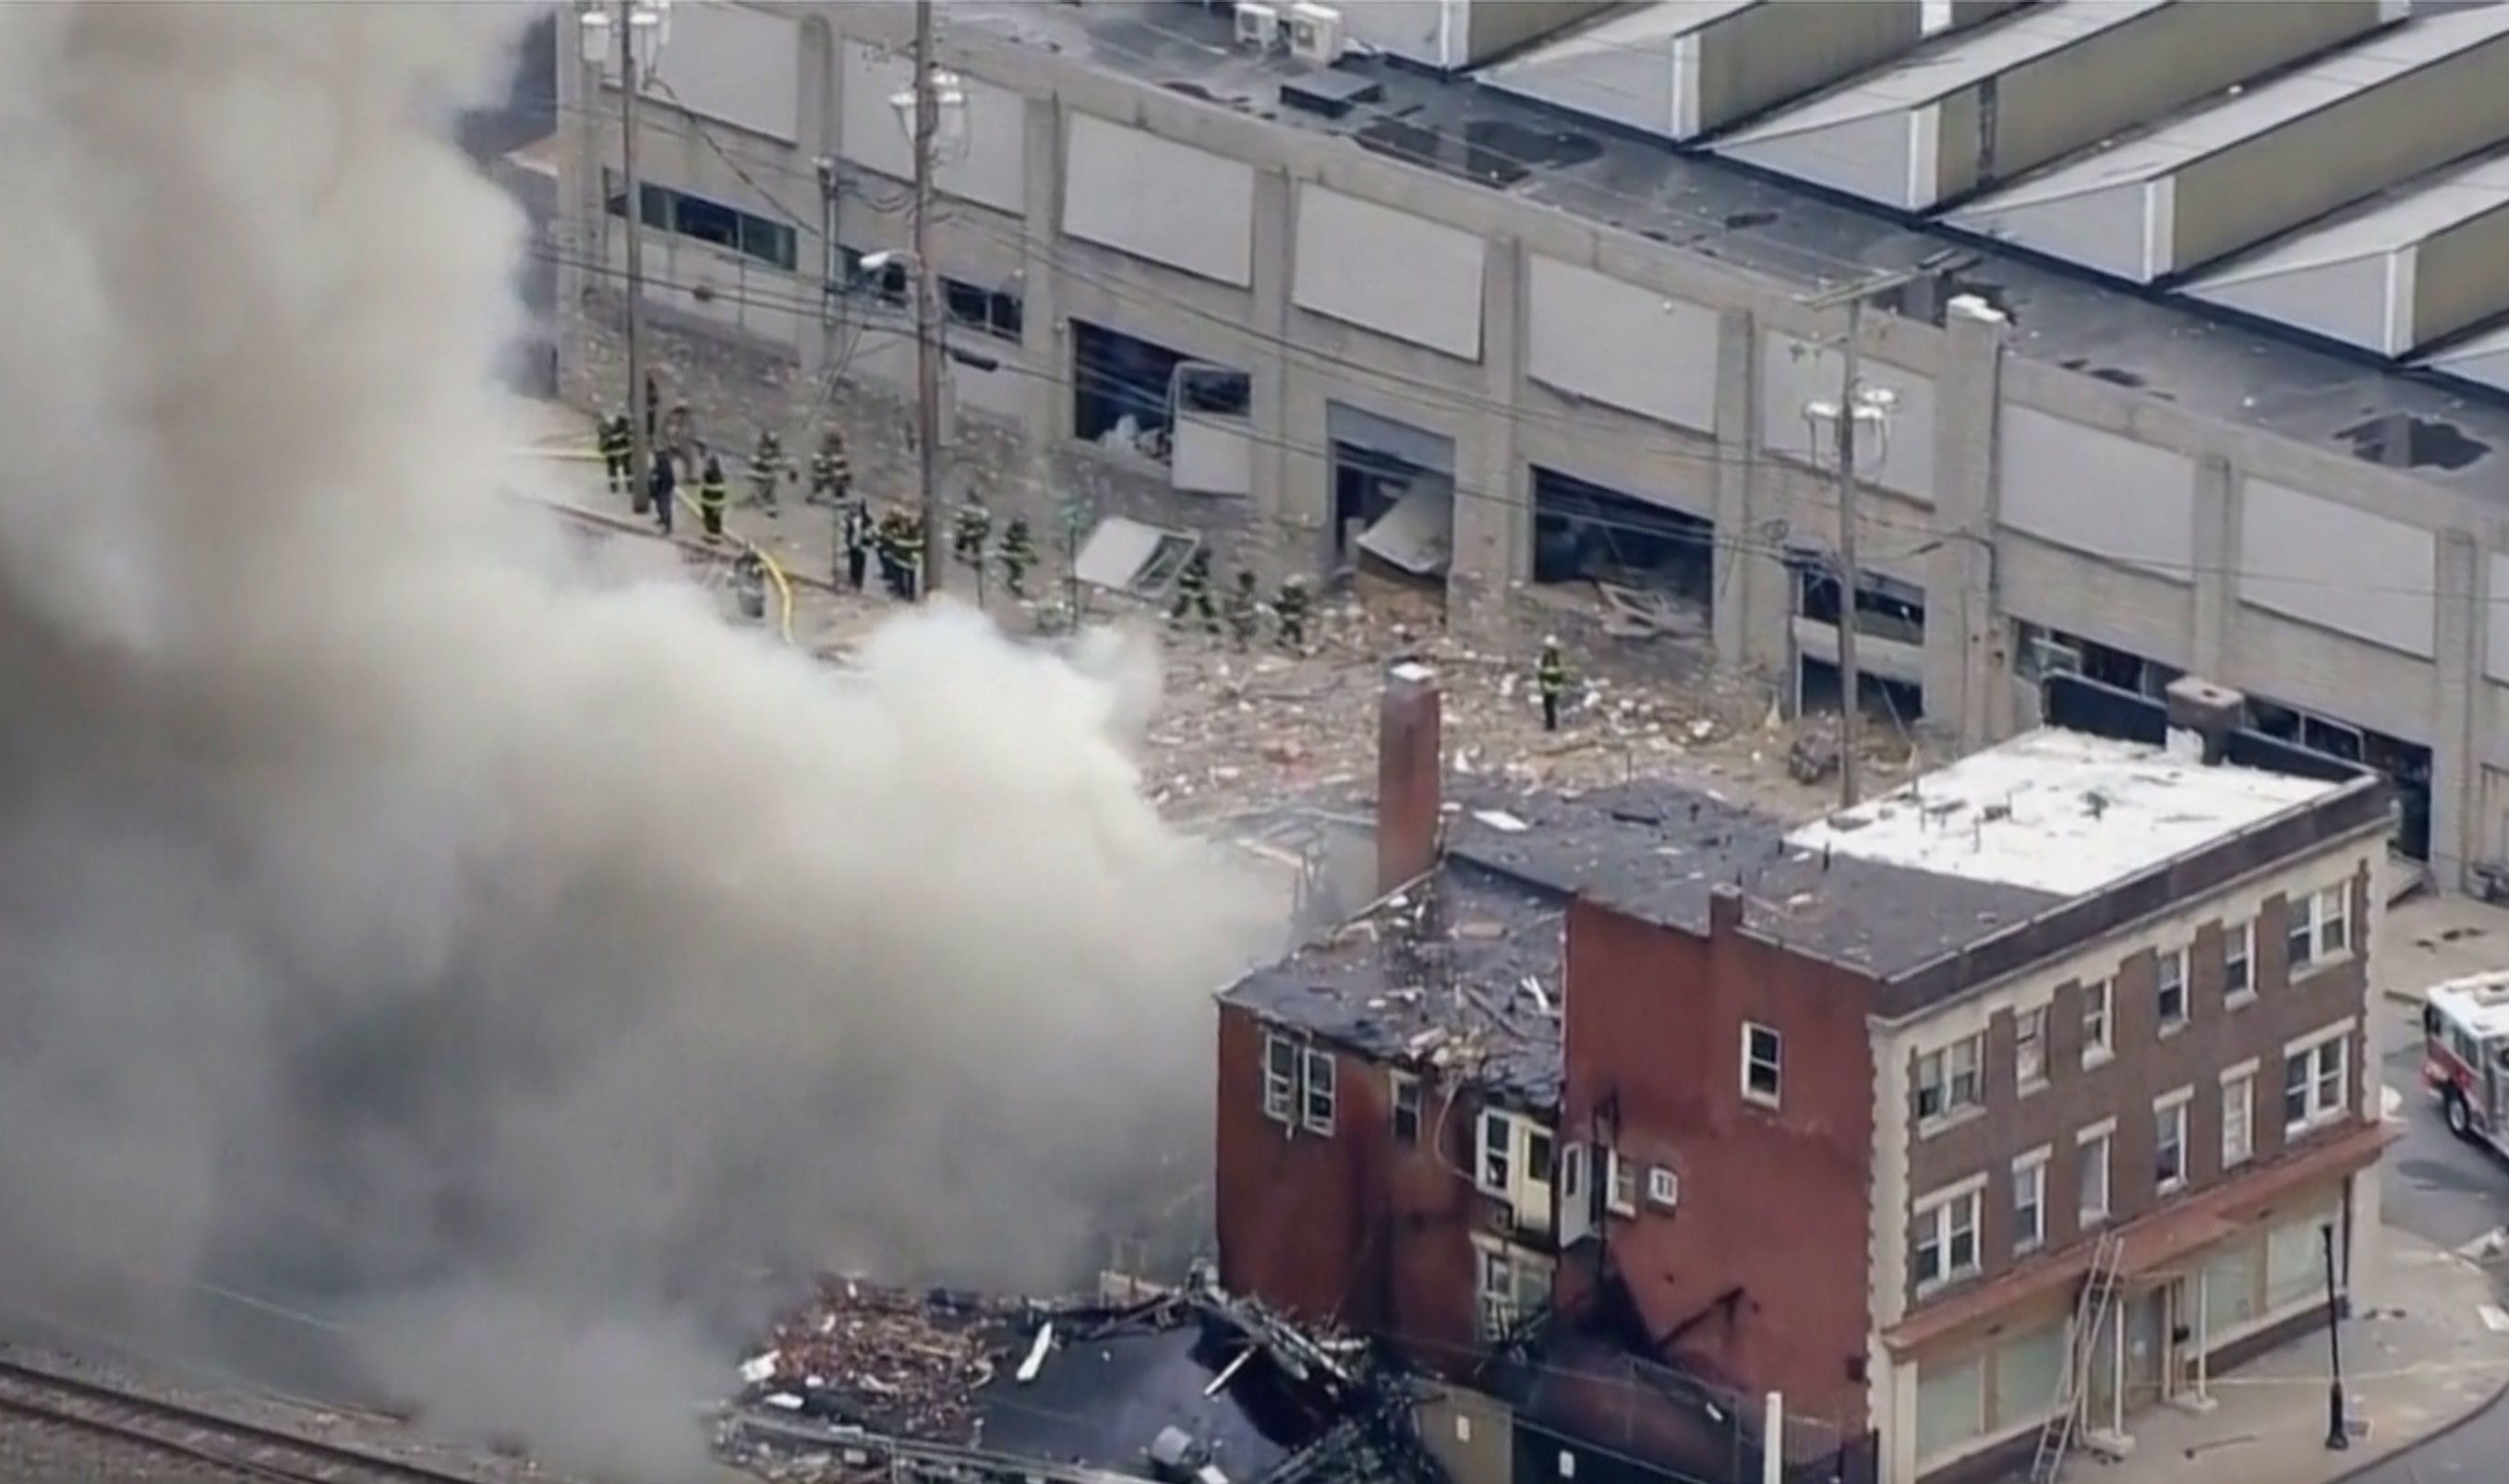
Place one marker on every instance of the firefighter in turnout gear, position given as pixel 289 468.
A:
pixel 968 537
pixel 1289 611
pixel 766 466
pixel 886 542
pixel 1018 554
pixel 1244 611
pixel 1552 678
pixel 832 474
pixel 855 534
pixel 749 583
pixel 618 446
pixel 910 555
pixel 713 493
pixel 1193 593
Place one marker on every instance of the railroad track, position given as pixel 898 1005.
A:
pixel 252 1449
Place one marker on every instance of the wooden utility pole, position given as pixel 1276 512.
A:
pixel 1850 675
pixel 640 444
pixel 927 305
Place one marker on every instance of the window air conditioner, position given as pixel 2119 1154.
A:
pixel 1257 25
pixel 1314 32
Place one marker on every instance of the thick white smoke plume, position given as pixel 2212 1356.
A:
pixel 389 913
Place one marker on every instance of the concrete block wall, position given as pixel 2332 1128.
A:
pixel 1978 574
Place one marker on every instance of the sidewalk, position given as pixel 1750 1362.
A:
pixel 2417 1360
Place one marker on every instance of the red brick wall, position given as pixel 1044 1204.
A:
pixel 1774 1203
pixel 1355 1229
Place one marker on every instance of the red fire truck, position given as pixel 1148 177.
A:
pixel 2466 1057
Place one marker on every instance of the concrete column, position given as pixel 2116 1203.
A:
pixel 577 232
pixel 1751 595
pixel 2456 772
pixel 1494 525
pixel 1045 337
pixel 1289 512
pixel 1961 617
pixel 2217 549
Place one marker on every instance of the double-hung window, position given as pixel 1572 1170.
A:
pixel 1946 1240
pixel 1947 1079
pixel 2314 1080
pixel 2318 927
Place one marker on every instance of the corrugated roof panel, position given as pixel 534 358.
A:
pixel 2364 277
pixel 1964 111
pixel 1681 68
pixel 2483 361
pixel 2358 121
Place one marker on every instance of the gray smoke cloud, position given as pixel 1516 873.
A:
pixel 394 913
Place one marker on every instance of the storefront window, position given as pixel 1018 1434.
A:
pixel 1950 1406
pixel 2028 1370
pixel 2296 1261
pixel 2230 1289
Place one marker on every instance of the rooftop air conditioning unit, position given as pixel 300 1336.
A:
pixel 1315 34
pixel 1257 25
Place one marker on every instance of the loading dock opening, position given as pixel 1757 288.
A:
pixel 1590 532
pixel 1890 642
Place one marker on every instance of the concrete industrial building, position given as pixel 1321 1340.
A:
pixel 2221 392
pixel 2064 1051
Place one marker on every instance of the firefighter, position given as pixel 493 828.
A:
pixel 766 466
pixel 713 493
pixel 1018 554
pixel 662 491
pixel 968 537
pixel 884 545
pixel 1289 612
pixel 1244 610
pixel 1193 593
pixel 910 556
pixel 617 447
pixel 1552 677
pixel 856 535
pixel 749 583
pixel 832 474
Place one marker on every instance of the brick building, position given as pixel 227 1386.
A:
pixel 1845 1111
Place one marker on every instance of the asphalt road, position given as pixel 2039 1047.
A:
pixel 2449 1193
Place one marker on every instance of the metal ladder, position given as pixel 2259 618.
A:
pixel 2091 1311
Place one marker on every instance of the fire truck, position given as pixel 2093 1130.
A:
pixel 2465 1055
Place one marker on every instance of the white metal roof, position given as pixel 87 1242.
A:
pixel 2114 210
pixel 2483 359
pixel 1834 139
pixel 2363 279
pixel 1621 67
pixel 2479 1001
pixel 2058 811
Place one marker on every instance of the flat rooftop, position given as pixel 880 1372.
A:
pixel 2222 369
pixel 2059 812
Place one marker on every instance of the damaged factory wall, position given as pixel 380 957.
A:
pixel 506 960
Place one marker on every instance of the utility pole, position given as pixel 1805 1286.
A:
pixel 927 304
pixel 1852 399
pixel 1850 675
pixel 640 445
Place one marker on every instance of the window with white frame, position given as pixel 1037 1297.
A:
pixel 2169 1141
pixel 1405 1099
pixel 1319 1110
pixel 1280 1079
pixel 1297 1084
pixel 2169 1002
pixel 1621 1196
pixel 2319 926
pixel 1510 1285
pixel 1945 1233
pixel 2312 1081
pixel 2030 1048
pixel 1947 1079
pixel 1663 1187
pixel 2239 960
pixel 2091 1156
pixel 2030 1202
pixel 1495 1161
pixel 1763 1063
pixel 2238 1117
pixel 2097 1023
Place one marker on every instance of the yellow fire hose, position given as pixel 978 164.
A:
pixel 766 558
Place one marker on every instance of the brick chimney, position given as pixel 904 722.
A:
pixel 1410 774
